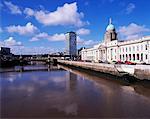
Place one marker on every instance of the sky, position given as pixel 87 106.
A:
pixel 39 26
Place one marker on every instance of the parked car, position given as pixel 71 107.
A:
pixel 141 62
pixel 114 62
pixel 119 62
pixel 129 63
pixel 88 60
pixel 100 61
pixel 107 62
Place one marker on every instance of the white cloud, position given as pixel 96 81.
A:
pixel 130 8
pixel 32 50
pixel 10 42
pixel 66 15
pixel 39 36
pixel 29 28
pixel 61 37
pixel 135 36
pixel 29 12
pixel 13 8
pixel 81 41
pixel 132 31
pixel 1 30
pixel 83 31
pixel 18 48
pixel 55 37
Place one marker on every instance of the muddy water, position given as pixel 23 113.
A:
pixel 66 92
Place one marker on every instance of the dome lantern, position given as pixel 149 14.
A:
pixel 110 27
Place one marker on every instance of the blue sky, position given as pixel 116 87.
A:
pixel 39 26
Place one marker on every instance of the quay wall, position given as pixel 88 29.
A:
pixel 138 71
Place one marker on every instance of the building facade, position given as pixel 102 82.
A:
pixel 71 44
pixel 137 50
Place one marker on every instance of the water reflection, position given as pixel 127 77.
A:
pixel 69 93
pixel 34 67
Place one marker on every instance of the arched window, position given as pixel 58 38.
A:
pixel 146 47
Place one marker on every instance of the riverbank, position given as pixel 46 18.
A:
pixel 10 63
pixel 141 72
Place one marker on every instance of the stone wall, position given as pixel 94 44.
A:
pixel 138 71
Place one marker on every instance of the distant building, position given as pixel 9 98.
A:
pixel 79 53
pixel 5 51
pixel 71 44
pixel 134 50
pixel 5 54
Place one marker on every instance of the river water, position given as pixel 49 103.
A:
pixel 60 91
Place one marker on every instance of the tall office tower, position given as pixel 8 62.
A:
pixel 71 44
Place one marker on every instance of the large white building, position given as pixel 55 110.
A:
pixel 137 50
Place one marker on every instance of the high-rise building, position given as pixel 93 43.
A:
pixel 71 44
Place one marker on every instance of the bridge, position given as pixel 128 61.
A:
pixel 44 58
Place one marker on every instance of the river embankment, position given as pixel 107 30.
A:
pixel 141 72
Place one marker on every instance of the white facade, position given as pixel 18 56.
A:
pixel 137 51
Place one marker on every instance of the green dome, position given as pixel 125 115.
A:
pixel 110 27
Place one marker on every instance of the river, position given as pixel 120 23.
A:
pixel 60 91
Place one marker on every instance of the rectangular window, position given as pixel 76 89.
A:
pixel 142 57
pixel 133 48
pixel 137 48
pixel 133 57
pixel 126 57
pixel 141 47
pixel 130 49
pixel 130 57
pixel 146 57
pixel 138 57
